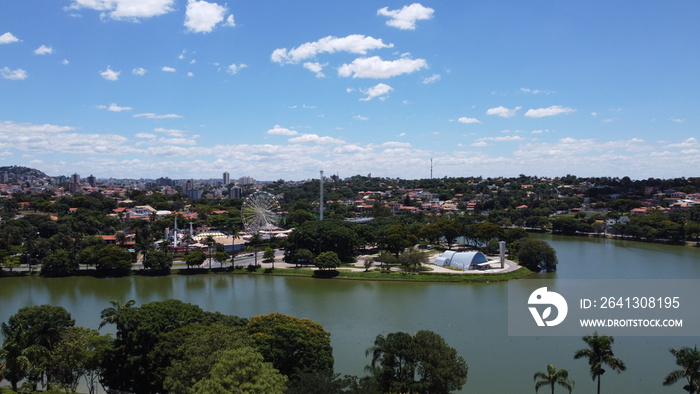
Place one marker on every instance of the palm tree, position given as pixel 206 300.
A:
pixel 689 361
pixel 210 242
pixel 255 240
pixel 111 315
pixel 599 353
pixel 15 364
pixel 552 377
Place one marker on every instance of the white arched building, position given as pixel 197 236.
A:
pixel 461 260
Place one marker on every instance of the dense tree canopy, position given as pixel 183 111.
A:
pixel 422 363
pixel 536 255
pixel 292 344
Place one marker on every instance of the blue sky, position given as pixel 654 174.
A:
pixel 283 89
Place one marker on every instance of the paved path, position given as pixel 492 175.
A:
pixel 359 265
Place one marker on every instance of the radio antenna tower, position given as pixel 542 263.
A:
pixel 431 168
pixel 321 197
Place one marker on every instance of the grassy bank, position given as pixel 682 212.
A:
pixel 375 275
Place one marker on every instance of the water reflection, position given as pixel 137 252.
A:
pixel 471 317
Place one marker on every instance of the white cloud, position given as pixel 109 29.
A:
pixel 395 144
pixel 202 16
pixel 406 17
pixel 541 131
pixel 170 132
pixel 16 75
pixel 190 74
pixel 375 67
pixel 690 151
pixel 149 115
pixel 690 142
pixel 114 108
pixel 550 111
pixel 279 130
pixel 431 79
pixel 43 50
pixel 168 69
pixel 110 74
pixel 360 117
pixel 316 68
pixel 235 68
pixel 177 141
pixel 315 139
pixel 677 120
pixel 125 9
pixel 140 71
pixel 535 91
pixel 230 22
pixel 46 138
pixel 355 43
pixel 479 143
pixel 145 135
pixel 502 111
pixel 8 38
pixel 351 149
pixel 505 138
pixel 467 120
pixel 65 62
pixel 18 128
pixel 380 90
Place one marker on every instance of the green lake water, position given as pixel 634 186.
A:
pixel 471 317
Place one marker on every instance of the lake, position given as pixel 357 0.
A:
pixel 471 317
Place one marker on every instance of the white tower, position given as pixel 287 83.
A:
pixel 321 198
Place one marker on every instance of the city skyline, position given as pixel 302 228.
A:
pixel 278 90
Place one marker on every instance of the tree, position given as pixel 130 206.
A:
pixel 386 259
pixel 269 256
pixel 30 335
pixel 399 359
pixel 113 260
pixel 193 344
pixel 158 261
pixel 449 230
pixel 127 365
pixel 10 262
pixel 327 260
pixel 221 258
pixel 292 344
pixel 689 362
pixel 553 377
pixel 412 259
pixel 439 368
pixel 599 353
pixel 324 236
pixel 195 259
pixel 367 263
pixel 15 364
pixel 111 315
pixel 210 242
pixel 536 255
pixel 241 370
pixel 397 237
pixel 299 217
pixel 330 383
pixel 486 231
pixel 77 356
pixel 300 256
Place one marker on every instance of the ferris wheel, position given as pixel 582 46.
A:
pixel 260 212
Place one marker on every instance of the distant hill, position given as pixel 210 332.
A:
pixel 23 171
